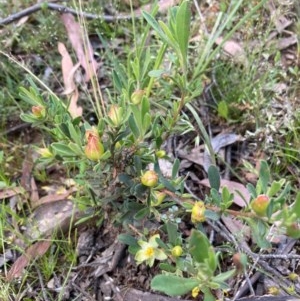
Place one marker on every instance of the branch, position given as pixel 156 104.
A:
pixel 60 8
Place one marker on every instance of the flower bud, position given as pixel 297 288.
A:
pixel 159 196
pixel 160 153
pixel 273 290
pixel 94 148
pixel 293 276
pixel 293 230
pixel 45 152
pixel 38 111
pixel 177 251
pixel 240 261
pixel 137 96
pixel 115 114
pixel 149 178
pixel 260 205
pixel 198 212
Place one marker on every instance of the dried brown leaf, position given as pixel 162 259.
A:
pixel 34 196
pixel 68 71
pixel 36 250
pixel 27 167
pixel 81 45
pixel 50 198
pixel 55 217
pixel 9 192
pixel 286 42
pixel 236 227
pixel 217 143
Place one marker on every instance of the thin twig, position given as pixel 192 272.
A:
pixel 243 246
pixel 61 9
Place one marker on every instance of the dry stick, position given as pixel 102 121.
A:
pixel 245 249
pixel 60 8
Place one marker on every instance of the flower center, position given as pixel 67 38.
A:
pixel 149 252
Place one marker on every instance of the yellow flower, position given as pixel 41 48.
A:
pixel 160 153
pixel 94 148
pixel 198 212
pixel 149 251
pixel 273 290
pixel 149 178
pixel 195 292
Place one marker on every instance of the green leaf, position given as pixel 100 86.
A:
pixel 142 213
pixel 31 96
pixel 216 197
pixel 74 133
pixel 183 20
pixel 173 285
pixel 199 246
pixel 227 197
pixel 264 176
pixel 212 215
pixel 275 187
pixel 223 109
pixel 175 168
pixel 214 177
pixel 64 129
pixel 29 118
pixel 106 155
pixel 133 126
pixel 76 149
pixel 172 42
pixel 62 149
pixel 125 179
pixel 167 267
pixel 167 184
pixel 224 276
pixel 172 232
pixel 252 190
pixel 154 24
pixel 127 239
pixel 208 296
pixel 283 195
pixel 145 107
pixel 296 207
pixel 212 259
pixel 137 164
pixel 146 122
pixel 258 231
pixel 156 73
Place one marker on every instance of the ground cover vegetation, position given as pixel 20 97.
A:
pixel 149 149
